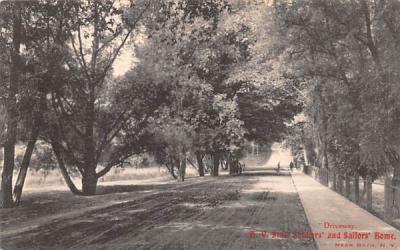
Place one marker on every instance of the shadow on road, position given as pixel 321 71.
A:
pixel 260 172
pixel 101 190
pixel 210 215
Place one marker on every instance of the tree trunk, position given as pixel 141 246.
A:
pixel 334 181
pixel 6 198
pixel 89 176
pixel 89 181
pixel 327 177
pixel 348 189
pixel 215 167
pixel 396 173
pixel 25 164
pixel 340 185
pixel 200 163
pixel 357 188
pixel 231 164
pixel 63 169
pixel 371 45
pixel 224 162
pixel 388 207
pixel 369 193
pixel 182 169
pixel 326 160
pixel 234 165
pixel 175 165
pixel 395 163
pixel 36 126
pixel 7 174
pixel 392 202
pixel 9 153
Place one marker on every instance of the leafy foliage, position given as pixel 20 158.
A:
pixel 346 52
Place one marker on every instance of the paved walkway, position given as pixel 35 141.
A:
pixel 341 224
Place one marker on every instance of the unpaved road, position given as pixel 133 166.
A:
pixel 215 213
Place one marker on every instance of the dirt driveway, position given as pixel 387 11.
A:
pixel 215 213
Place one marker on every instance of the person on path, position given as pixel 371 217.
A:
pixel 279 167
pixel 291 165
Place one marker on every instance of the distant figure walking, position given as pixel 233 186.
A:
pixel 279 167
pixel 291 165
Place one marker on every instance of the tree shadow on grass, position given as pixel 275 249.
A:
pixel 36 205
pixel 101 190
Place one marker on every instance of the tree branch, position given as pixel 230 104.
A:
pixel 55 145
pixel 116 52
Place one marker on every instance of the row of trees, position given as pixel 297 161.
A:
pixel 347 55
pixel 202 85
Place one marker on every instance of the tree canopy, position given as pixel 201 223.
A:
pixel 207 78
pixel 347 54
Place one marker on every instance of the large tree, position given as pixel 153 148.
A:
pixel 346 52
pixel 87 117
pixel 10 99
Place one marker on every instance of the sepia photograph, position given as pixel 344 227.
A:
pixel 200 124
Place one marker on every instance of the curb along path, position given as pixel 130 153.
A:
pixel 340 224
